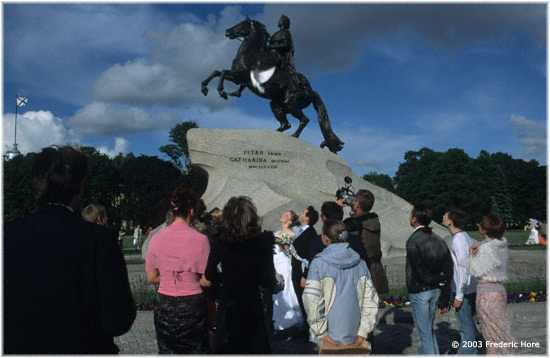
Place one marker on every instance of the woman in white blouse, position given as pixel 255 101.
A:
pixel 489 263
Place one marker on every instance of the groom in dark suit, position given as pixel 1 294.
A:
pixel 66 287
pixel 307 244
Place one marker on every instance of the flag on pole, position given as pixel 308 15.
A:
pixel 21 101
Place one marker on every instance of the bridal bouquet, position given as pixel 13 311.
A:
pixel 284 238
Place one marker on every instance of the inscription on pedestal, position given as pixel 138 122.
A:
pixel 260 159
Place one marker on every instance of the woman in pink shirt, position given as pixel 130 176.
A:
pixel 176 260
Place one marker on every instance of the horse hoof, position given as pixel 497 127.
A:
pixel 284 127
pixel 223 95
pixel 204 91
pixel 334 145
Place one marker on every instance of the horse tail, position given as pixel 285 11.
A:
pixel 331 141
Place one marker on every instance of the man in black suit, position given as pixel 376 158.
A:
pixel 306 245
pixel 66 287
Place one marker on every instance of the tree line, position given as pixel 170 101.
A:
pixel 513 189
pixel 133 189
pixel 137 189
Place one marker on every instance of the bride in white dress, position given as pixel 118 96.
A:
pixel 286 309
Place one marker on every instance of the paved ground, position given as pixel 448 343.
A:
pixel 394 333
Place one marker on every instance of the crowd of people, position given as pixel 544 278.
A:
pixel 226 286
pixel 325 288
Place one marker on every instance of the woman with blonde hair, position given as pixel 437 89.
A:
pixel 176 260
pixel 241 261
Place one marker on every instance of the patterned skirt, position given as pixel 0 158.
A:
pixel 494 322
pixel 180 324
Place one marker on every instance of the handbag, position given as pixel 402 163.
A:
pixel 329 348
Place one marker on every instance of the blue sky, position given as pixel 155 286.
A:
pixel 394 77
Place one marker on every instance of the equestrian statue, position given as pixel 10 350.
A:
pixel 265 65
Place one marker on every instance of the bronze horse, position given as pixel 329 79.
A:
pixel 258 69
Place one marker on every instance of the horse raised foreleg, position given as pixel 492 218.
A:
pixel 238 92
pixel 280 115
pixel 221 90
pixel 204 84
pixel 303 121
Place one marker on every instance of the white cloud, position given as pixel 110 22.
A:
pixel 534 143
pixel 139 83
pixel 178 61
pixel 522 123
pixel 106 119
pixel 121 146
pixel 532 135
pixel 36 130
pixel 52 42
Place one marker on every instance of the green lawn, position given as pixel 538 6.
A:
pixel 513 237
pixel 128 241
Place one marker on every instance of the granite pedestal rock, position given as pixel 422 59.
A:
pixel 281 173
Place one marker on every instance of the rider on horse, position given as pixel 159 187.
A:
pixel 281 44
pixel 268 71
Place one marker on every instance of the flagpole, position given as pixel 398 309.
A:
pixel 10 154
pixel 15 133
